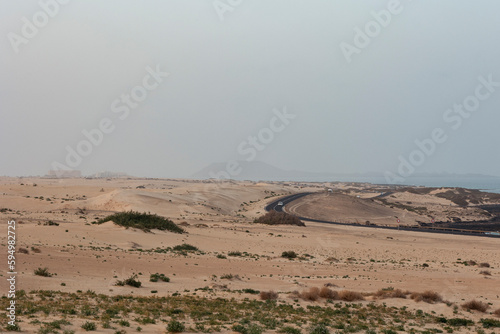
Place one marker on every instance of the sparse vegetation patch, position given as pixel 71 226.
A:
pixel 142 221
pixel 131 281
pixel 158 277
pixel 475 305
pixel 43 272
pixel 279 218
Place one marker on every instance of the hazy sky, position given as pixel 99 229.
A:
pixel 233 66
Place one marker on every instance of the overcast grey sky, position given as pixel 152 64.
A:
pixel 230 64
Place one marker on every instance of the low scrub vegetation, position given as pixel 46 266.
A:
pixel 131 281
pixel 391 293
pixel 314 294
pixel 235 254
pixel 175 326
pixel 185 248
pixel 279 218
pixel 497 312
pixel 350 296
pixel 215 315
pixel 230 277
pixel 268 295
pixel 475 305
pixel 289 255
pixel 327 293
pixel 42 272
pixel 89 326
pixel 158 277
pixel 142 221
pixel 310 295
pixel 456 322
pixel 430 297
pixel 289 330
pixel 319 329
pixel 490 323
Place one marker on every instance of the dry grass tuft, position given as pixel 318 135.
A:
pixel 497 312
pixel 268 295
pixel 279 218
pixel 231 277
pixel 476 306
pixel 23 250
pixel 328 293
pixel 428 296
pixel 398 293
pixel 350 296
pixel 311 295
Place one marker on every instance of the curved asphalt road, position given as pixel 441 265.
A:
pixel 285 200
pixel 275 206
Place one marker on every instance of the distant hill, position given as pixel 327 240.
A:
pixel 251 171
pixel 261 171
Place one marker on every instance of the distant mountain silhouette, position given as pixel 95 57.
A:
pixel 261 171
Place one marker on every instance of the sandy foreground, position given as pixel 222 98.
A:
pixel 219 220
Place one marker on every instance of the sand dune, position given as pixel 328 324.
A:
pixel 218 219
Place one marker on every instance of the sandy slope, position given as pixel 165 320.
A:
pixel 86 256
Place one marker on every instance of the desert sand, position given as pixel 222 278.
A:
pixel 219 219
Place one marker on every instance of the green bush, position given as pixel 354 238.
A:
pixel 240 329
pixel 13 328
pixel 175 326
pixel 319 329
pixel 289 330
pixel 251 291
pixel 185 248
pixel 255 329
pixel 251 329
pixel 158 277
pixel 43 272
pixel 142 221
pixel 89 326
pixel 457 322
pixel 389 331
pixel 289 255
pixel 124 323
pixel 131 281
pixel 490 323
pixel 146 321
